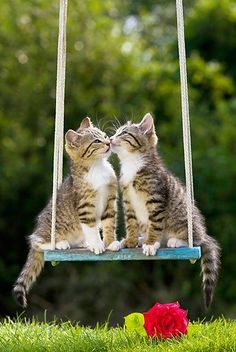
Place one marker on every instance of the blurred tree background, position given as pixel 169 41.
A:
pixel 122 62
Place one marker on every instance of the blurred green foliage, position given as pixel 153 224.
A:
pixel 122 62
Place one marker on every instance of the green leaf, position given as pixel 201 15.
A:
pixel 135 322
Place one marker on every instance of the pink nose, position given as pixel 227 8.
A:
pixel 111 140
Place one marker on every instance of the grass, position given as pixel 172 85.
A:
pixel 19 336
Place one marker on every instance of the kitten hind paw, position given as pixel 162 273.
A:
pixel 114 246
pixel 176 243
pixel 151 249
pixel 62 245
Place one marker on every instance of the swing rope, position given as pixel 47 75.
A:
pixel 185 119
pixel 59 115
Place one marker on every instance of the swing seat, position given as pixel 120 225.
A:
pixel 81 255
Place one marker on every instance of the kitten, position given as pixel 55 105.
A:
pixel 87 197
pixel 155 201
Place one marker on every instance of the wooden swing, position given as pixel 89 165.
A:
pixel 185 253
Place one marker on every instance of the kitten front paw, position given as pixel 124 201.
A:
pixel 97 247
pixel 62 245
pixel 176 243
pixel 151 249
pixel 128 243
pixel 122 245
pixel 115 246
pixel 141 239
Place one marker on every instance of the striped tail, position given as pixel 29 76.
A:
pixel 210 266
pixel 32 268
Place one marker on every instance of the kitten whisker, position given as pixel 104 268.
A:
pixel 104 126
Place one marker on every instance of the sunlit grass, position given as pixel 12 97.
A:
pixel 20 335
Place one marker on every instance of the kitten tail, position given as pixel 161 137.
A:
pixel 32 268
pixel 210 266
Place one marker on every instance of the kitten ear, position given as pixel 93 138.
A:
pixel 86 123
pixel 147 124
pixel 71 137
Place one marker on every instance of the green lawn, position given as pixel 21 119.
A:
pixel 18 336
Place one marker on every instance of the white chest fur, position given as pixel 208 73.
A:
pixel 138 205
pixel 131 163
pixel 99 176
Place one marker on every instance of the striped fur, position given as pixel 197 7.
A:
pixel 86 202
pixel 155 201
pixel 32 268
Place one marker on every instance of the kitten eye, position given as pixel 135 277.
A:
pixel 97 141
pixel 105 136
pixel 123 132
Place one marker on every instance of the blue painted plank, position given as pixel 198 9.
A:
pixel 71 255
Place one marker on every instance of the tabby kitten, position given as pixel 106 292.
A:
pixel 155 201
pixel 86 200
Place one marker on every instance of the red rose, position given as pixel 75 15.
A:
pixel 165 321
